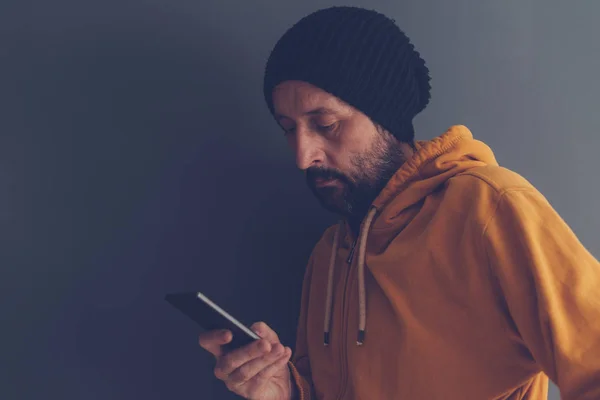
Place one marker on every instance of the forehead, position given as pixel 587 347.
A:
pixel 293 99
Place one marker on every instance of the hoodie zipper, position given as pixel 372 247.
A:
pixel 351 255
pixel 345 311
pixel 344 337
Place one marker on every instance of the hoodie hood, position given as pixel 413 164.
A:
pixel 431 166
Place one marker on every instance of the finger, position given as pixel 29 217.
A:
pixel 252 368
pixel 264 331
pixel 275 367
pixel 231 361
pixel 212 341
pixel 263 375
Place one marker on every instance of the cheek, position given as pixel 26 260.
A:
pixel 353 151
pixel 358 137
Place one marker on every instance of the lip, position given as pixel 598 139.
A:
pixel 320 182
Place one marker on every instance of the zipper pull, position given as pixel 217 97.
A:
pixel 351 255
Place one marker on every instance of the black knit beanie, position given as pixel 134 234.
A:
pixel 361 57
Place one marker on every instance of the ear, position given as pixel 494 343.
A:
pixel 408 149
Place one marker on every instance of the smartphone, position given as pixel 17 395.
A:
pixel 209 316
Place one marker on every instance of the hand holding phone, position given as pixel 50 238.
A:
pixel 255 364
pixel 258 370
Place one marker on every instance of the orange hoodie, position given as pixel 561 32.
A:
pixel 464 284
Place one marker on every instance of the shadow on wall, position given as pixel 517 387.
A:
pixel 150 184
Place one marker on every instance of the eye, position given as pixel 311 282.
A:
pixel 289 131
pixel 288 128
pixel 328 128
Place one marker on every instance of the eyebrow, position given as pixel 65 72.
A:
pixel 316 111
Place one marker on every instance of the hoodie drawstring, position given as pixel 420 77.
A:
pixel 362 298
pixel 329 300
pixel 362 301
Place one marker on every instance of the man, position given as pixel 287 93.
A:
pixel 448 277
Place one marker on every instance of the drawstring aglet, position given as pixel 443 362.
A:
pixel 361 337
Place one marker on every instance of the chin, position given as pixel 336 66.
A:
pixel 331 198
pixel 334 204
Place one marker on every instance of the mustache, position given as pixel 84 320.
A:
pixel 314 173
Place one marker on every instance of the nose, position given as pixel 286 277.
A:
pixel 308 149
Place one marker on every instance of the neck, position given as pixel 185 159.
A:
pixel 406 151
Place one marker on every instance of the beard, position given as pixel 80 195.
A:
pixel 355 190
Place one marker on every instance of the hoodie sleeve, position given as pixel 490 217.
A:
pixel 300 364
pixel 551 285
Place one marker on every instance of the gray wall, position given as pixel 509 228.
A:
pixel 137 157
